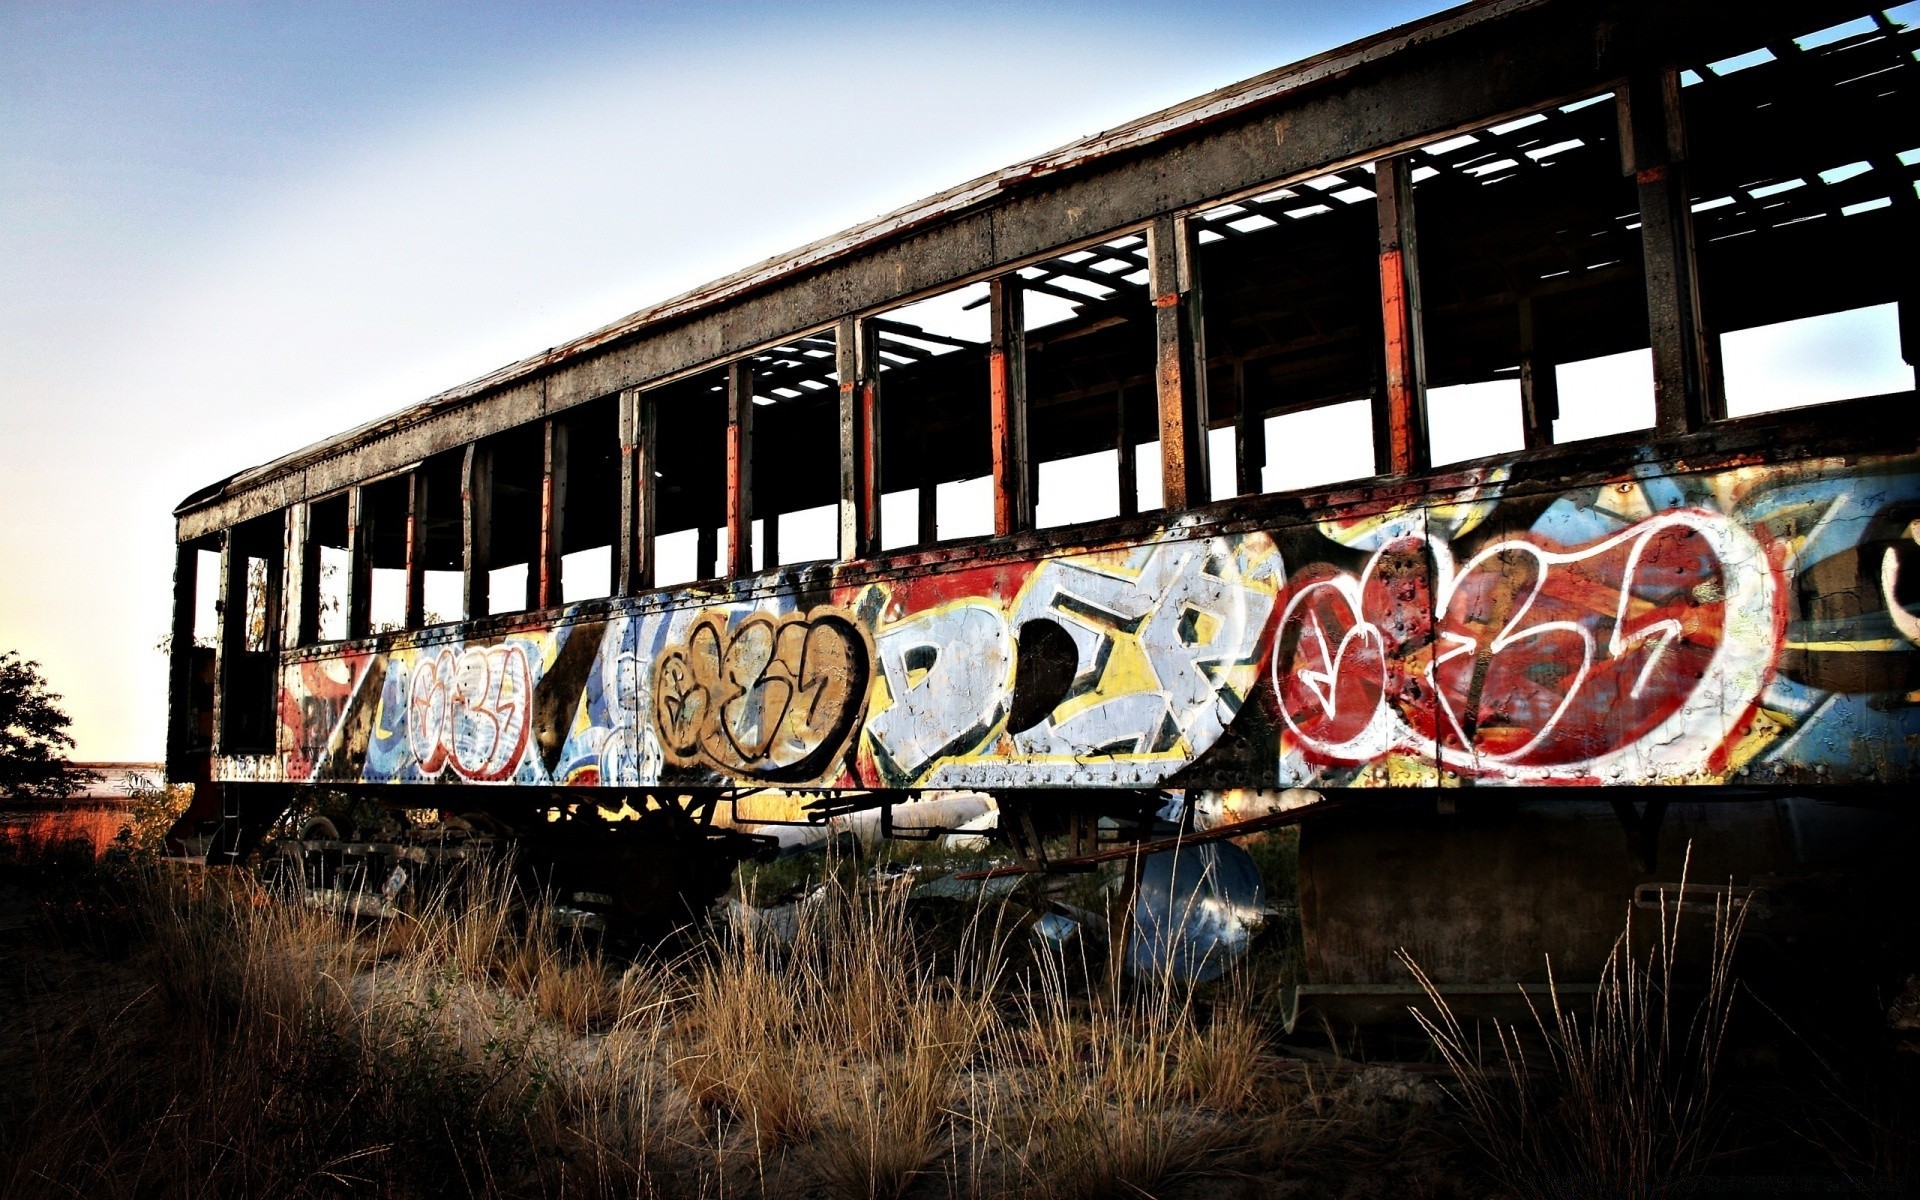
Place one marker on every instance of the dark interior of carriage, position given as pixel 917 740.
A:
pixel 1533 297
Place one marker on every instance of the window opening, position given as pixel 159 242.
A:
pixel 206 598
pixel 1090 372
pixel 328 533
pixel 936 457
pixel 690 479
pixel 252 649
pixel 1291 292
pixel 1340 436
pixel 796 452
pixel 1801 178
pixel 385 525
pixel 443 539
pixel 1531 274
pixel 587 496
pixel 516 467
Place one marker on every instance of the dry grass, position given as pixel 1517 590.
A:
pixel 262 1048
pixel 1617 1100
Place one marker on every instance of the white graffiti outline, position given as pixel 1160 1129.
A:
pixel 1682 744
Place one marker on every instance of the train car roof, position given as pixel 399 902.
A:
pixel 1612 26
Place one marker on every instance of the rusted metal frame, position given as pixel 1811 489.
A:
pixel 1249 436
pixel 416 617
pixel 1125 465
pixel 1233 829
pixel 359 563
pixel 230 635
pixel 305 589
pixel 546 581
pixel 1180 361
pixel 1539 384
pixel 1653 152
pixel 856 365
pixel 476 528
pixel 633 571
pixel 273 590
pixel 180 715
pixel 1455 73
pixel 1404 396
pixel 1007 400
pixel 740 467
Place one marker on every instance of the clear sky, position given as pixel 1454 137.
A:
pixel 228 230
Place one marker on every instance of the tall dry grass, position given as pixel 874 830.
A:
pixel 1615 1098
pixel 255 1047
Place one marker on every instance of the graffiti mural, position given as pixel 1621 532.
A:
pixel 1756 624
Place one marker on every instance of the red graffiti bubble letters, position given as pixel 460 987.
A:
pixel 469 711
pixel 772 698
pixel 1527 657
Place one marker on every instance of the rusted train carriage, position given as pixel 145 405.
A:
pixel 1513 404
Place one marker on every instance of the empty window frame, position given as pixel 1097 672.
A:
pixel 690 478
pixel 795 442
pixel 250 642
pixel 327 533
pixel 586 499
pixel 1089 325
pixel 1291 294
pixel 383 524
pixel 936 452
pixel 442 536
pixel 512 466
pixel 1532 283
pixel 1801 170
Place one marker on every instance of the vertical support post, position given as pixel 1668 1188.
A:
pixel 706 552
pixel 855 364
pixel 476 529
pixel 273 590
pixel 302 626
pixel 1123 455
pixel 359 562
pixel 1653 149
pixel 634 570
pixel 417 548
pixel 1249 436
pixel 1405 423
pixel 1180 355
pixel 740 467
pixel 1539 384
pixel 180 714
pixel 1007 395
pixel 232 618
pixel 553 511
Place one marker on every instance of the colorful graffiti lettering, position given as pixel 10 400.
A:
pixel 469 711
pixel 769 698
pixel 1531 660
pixel 1758 624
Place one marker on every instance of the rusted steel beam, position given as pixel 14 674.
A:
pixel 416 549
pixel 553 508
pixel 1180 358
pixel 231 632
pixel 1539 385
pixel 1249 438
pixel 1444 74
pixel 476 528
pixel 359 563
pixel 305 587
pixel 856 350
pixel 1007 396
pixel 633 570
pixel 1405 396
pixel 180 714
pixel 740 467
pixel 1653 151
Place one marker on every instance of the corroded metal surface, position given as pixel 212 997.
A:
pixel 1746 624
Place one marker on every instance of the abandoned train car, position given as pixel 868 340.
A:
pixel 1514 404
